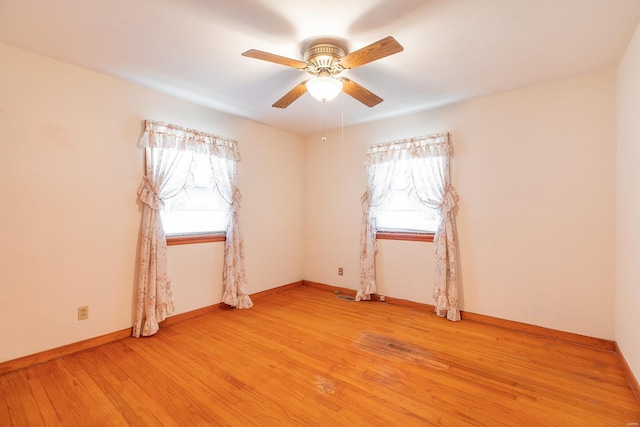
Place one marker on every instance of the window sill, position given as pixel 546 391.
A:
pixel 412 237
pixel 196 238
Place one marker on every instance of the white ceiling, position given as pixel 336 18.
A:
pixel 453 49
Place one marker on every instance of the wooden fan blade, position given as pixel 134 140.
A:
pixel 385 47
pixel 359 93
pixel 266 56
pixel 291 96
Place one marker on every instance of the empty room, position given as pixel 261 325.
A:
pixel 292 213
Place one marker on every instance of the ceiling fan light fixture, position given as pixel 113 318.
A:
pixel 324 87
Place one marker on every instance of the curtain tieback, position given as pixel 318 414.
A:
pixel 148 194
pixel 236 198
pixel 366 201
pixel 449 200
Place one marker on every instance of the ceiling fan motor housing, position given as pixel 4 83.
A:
pixel 323 56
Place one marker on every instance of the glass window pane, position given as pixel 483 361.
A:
pixel 402 212
pixel 204 212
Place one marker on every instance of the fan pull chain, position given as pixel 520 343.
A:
pixel 324 120
pixel 342 122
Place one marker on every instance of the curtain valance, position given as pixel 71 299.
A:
pixel 437 145
pixel 162 135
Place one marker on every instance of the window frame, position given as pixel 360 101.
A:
pixel 187 239
pixel 405 236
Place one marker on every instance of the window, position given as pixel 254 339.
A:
pixel 401 175
pixel 173 166
pixel 402 212
pixel 401 215
pixel 201 210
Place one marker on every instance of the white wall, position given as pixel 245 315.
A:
pixel 535 169
pixel 68 179
pixel 628 206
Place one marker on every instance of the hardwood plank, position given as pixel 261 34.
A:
pixel 179 405
pixel 97 408
pixel 122 388
pixel 303 356
pixel 109 393
pixel 44 405
pixel 59 389
pixel 22 408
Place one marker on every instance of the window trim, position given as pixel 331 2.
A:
pixel 186 239
pixel 404 235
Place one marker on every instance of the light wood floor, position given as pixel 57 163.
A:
pixel 306 357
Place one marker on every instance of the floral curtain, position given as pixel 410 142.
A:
pixel 429 161
pixel 235 291
pixel 379 175
pixel 168 178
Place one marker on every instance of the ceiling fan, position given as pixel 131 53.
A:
pixel 324 61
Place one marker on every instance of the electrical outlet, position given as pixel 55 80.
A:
pixel 382 298
pixel 340 271
pixel 83 312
